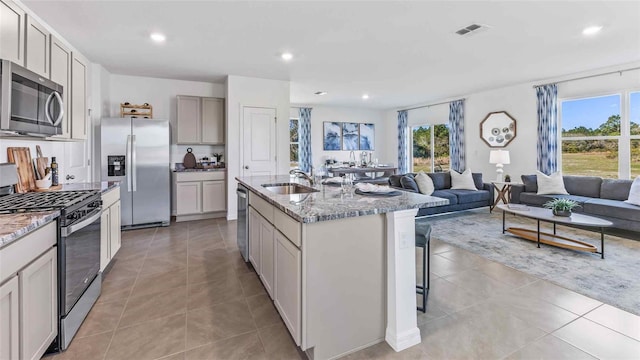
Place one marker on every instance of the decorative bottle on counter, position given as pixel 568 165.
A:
pixel 54 171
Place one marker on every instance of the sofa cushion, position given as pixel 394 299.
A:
pixel 425 184
pixel 394 181
pixel 550 184
pixel 530 183
pixel 469 196
pixel 615 189
pixel 409 183
pixel 441 180
pixel 477 179
pixel 539 200
pixel 446 194
pixel 634 193
pixel 612 208
pixel 462 181
pixel 583 185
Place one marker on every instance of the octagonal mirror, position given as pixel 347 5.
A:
pixel 498 129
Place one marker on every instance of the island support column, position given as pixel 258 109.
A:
pixel 402 322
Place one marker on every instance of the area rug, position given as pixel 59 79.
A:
pixel 614 280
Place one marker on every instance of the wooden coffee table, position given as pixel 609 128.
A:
pixel 546 215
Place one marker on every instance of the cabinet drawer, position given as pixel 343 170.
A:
pixel 288 226
pixel 110 197
pixel 263 207
pixel 200 176
pixel 21 252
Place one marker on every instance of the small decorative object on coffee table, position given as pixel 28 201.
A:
pixel 561 207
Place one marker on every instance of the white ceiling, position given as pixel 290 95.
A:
pixel 400 53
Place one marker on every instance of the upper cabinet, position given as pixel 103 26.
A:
pixel 37 47
pixel 11 32
pixel 200 120
pixel 61 59
pixel 79 107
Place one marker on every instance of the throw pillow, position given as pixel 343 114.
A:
pixel 550 184
pixel 462 181
pixel 425 184
pixel 409 183
pixel 634 193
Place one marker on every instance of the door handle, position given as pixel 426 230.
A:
pixel 128 168
pixel 70 177
pixel 134 163
pixel 61 104
pixel 246 167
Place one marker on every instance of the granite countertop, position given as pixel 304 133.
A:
pixel 14 226
pixel 330 203
pixel 199 170
pixel 103 186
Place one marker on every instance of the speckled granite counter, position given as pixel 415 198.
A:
pixel 200 170
pixel 329 203
pixel 14 226
pixel 103 186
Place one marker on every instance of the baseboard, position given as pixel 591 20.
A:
pixel 404 340
pixel 214 215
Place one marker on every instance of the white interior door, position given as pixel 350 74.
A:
pixel 259 141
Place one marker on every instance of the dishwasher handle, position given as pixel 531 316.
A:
pixel 241 194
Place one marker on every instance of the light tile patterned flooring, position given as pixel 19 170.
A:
pixel 183 292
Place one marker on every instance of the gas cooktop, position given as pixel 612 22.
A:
pixel 43 200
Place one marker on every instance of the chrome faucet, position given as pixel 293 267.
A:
pixel 302 174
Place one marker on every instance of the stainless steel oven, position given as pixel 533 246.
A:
pixel 29 103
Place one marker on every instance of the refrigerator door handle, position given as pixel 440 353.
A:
pixel 134 164
pixel 128 166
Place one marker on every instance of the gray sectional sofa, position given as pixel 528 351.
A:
pixel 599 197
pixel 458 199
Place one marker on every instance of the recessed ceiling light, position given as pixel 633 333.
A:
pixel 591 30
pixel 365 97
pixel 287 56
pixel 157 37
pixel 320 93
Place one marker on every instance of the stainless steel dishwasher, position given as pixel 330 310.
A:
pixel 243 221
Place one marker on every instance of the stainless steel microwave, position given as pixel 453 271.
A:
pixel 29 103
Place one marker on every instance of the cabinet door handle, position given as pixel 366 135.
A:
pixel 70 177
pixel 246 167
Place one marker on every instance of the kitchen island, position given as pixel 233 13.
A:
pixel 339 267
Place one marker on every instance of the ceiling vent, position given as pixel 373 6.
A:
pixel 471 29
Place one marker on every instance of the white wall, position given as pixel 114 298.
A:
pixel 320 114
pixel 244 91
pixel 161 94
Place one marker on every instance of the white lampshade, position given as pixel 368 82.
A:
pixel 499 157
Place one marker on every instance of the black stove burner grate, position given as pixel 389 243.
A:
pixel 43 200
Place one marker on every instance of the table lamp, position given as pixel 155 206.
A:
pixel 499 157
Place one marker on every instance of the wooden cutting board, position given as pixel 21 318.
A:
pixel 41 163
pixel 21 156
pixel 53 188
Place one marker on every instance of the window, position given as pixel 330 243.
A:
pixel 591 130
pixel 634 130
pixel 430 149
pixel 293 142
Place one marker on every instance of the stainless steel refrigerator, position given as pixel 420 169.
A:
pixel 136 153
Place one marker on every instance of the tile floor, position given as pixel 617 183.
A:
pixel 183 292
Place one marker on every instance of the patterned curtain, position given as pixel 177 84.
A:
pixel 456 135
pixel 547 128
pixel 403 160
pixel 304 140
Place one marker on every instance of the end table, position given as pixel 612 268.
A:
pixel 504 192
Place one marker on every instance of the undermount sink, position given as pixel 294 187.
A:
pixel 289 188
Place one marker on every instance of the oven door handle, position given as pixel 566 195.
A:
pixel 68 230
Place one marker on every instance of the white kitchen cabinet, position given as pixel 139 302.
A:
pixel 189 197
pixel 12 27
pixel 110 237
pixel 212 121
pixel 213 196
pixel 288 275
pixel 200 120
pixel 79 105
pixel 61 59
pixel 199 195
pixel 37 54
pixel 38 305
pixel 254 239
pixel 267 249
pixel 9 319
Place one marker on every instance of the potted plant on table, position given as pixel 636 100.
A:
pixel 561 207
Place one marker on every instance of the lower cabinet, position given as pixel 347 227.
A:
pixel 110 223
pixel 9 315
pixel 267 255
pixel 287 294
pixel 199 195
pixel 254 239
pixel 39 305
